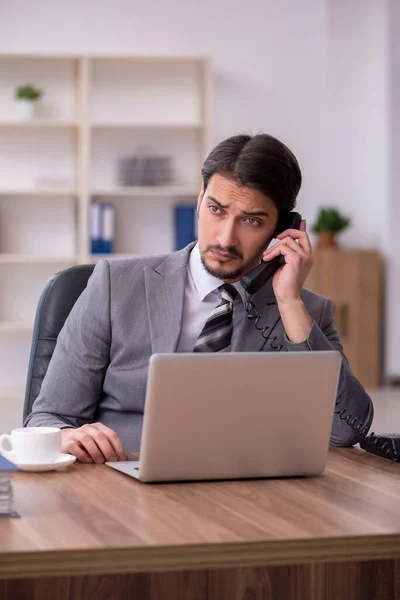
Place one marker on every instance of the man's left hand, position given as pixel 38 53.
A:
pixel 290 278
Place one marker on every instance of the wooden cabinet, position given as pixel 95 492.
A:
pixel 352 279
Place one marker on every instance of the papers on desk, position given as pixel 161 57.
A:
pixel 6 492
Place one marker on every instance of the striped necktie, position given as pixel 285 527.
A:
pixel 217 331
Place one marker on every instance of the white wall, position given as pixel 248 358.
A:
pixel 393 258
pixel 363 63
pixel 358 151
pixel 315 73
pixel 269 56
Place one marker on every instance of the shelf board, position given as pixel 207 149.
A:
pixel 95 257
pixel 40 56
pixel 30 259
pixel 132 125
pixel 150 58
pixel 39 124
pixel 149 191
pixel 141 58
pixel 39 191
pixel 15 327
pixel 13 394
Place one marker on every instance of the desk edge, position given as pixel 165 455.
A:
pixel 74 562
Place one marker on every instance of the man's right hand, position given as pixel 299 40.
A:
pixel 93 442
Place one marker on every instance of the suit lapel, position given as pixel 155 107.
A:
pixel 248 338
pixel 165 292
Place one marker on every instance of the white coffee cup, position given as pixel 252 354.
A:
pixel 32 445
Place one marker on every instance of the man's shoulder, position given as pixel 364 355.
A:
pixel 164 263
pixel 133 263
pixel 312 300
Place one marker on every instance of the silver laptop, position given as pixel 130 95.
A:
pixel 236 415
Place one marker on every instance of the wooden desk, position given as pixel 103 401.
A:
pixel 91 532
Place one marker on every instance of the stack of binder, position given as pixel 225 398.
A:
pixel 102 228
pixel 6 492
pixel 144 170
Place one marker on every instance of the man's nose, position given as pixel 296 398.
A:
pixel 227 235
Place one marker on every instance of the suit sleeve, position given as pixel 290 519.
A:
pixel 352 399
pixel 73 384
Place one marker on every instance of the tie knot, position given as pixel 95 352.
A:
pixel 228 292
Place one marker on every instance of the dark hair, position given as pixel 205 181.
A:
pixel 261 162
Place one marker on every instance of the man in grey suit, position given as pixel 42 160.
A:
pixel 95 385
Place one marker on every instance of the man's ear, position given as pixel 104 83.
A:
pixel 200 198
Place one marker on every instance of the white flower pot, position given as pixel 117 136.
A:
pixel 25 110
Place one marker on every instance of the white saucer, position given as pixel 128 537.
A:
pixel 62 460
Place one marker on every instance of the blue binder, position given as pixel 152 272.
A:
pixel 102 228
pixel 108 228
pixel 185 225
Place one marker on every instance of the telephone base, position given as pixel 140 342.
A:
pixel 386 445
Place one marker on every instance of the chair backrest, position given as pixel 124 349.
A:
pixel 55 304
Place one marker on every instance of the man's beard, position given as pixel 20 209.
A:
pixel 222 272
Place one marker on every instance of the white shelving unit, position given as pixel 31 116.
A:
pixel 38 192
pixel 11 393
pixel 148 192
pixel 27 259
pixel 141 126
pixel 37 123
pixel 96 110
pixel 16 327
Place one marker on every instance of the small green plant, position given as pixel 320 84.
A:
pixel 330 219
pixel 28 92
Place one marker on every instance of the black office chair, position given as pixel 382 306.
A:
pixel 55 303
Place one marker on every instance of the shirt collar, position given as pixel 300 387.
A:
pixel 203 281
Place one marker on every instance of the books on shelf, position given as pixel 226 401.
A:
pixel 185 225
pixel 102 228
pixel 6 493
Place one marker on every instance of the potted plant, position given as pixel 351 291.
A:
pixel 27 96
pixel 328 224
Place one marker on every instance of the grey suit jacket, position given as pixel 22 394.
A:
pixel 133 308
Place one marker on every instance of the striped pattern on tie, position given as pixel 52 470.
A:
pixel 217 331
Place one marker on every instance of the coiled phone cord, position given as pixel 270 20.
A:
pixel 343 413
pixel 385 449
pixel 253 314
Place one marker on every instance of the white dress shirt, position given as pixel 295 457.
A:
pixel 201 297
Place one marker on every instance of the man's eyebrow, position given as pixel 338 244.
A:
pixel 255 213
pixel 247 213
pixel 218 202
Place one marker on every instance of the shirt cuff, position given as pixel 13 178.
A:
pixel 316 341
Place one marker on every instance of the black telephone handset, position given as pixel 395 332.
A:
pixel 386 445
pixel 257 277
